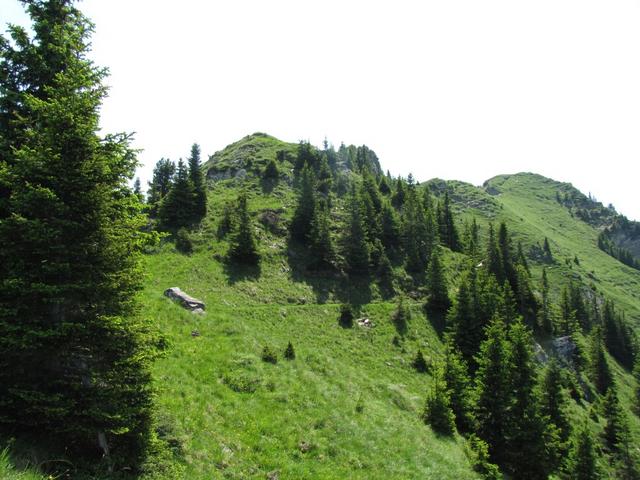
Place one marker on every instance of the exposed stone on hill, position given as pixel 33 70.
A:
pixel 185 300
pixel 564 347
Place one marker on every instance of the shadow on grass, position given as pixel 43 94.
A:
pixel 438 321
pixel 268 185
pixel 327 281
pixel 238 272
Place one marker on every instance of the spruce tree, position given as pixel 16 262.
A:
pixel 199 206
pixel 325 177
pixel 545 319
pixel 320 242
pixel 600 371
pixel 437 410
pixel 160 185
pixel 390 226
pixel 306 206
pixel 582 461
pixel 439 300
pixel 243 248
pixel 176 210
pixel 456 378
pixel 75 363
pixel 493 390
pixel 357 251
pixel 465 327
pixel 448 231
pixel 494 258
pixel 553 400
pixel 528 439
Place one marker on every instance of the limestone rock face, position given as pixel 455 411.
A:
pixel 185 300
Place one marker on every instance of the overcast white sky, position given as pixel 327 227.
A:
pixel 457 89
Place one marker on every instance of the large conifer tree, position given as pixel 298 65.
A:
pixel 75 361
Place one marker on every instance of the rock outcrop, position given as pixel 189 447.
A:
pixel 187 301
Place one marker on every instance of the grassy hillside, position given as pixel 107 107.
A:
pixel 349 405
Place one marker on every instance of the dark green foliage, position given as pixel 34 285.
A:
pixel 399 195
pixel 75 353
pixel 160 185
pixel 620 339
pixel 227 219
pixel 446 225
pixel 320 242
pixel 176 209
pixel 617 437
pixel 437 410
pixel 243 247
pixel 307 155
pixel 271 171
pixel 606 244
pixel 493 257
pixel 493 390
pixel 525 299
pixel 582 461
pixel 636 391
pixel 346 315
pixel 418 232
pixel 137 189
pixel 478 452
pixel 390 228
pixel 419 363
pixel 325 177
pixel 547 250
pixel 401 316
pixel 183 241
pixel 545 318
pixel 383 186
pixel 528 436
pixel 600 371
pixel 465 324
pixel 290 353
pixel 458 382
pixel 199 202
pixel 439 300
pixel 269 355
pixel 356 249
pixel 554 401
pixel 305 208
pixel 472 239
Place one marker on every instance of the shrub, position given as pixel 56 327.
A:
pixel 346 315
pixel 269 355
pixel 289 352
pixel 437 410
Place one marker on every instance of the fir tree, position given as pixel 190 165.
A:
pixel 472 239
pixel 137 189
pixel 600 370
pixel 160 185
pixel 636 390
pixel 553 400
pixel 176 209
pixel 199 207
pixel 399 194
pixel 458 383
pixel 325 177
pixel 75 363
pixel 448 231
pixel 546 248
pixel 321 244
pixel 437 410
pixel 465 326
pixel 305 208
pixel 271 171
pixel 383 186
pixel 390 226
pixel 545 319
pixel 493 390
pixel 494 259
pixel 243 248
pixel 582 461
pixel 439 300
pixel 356 248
